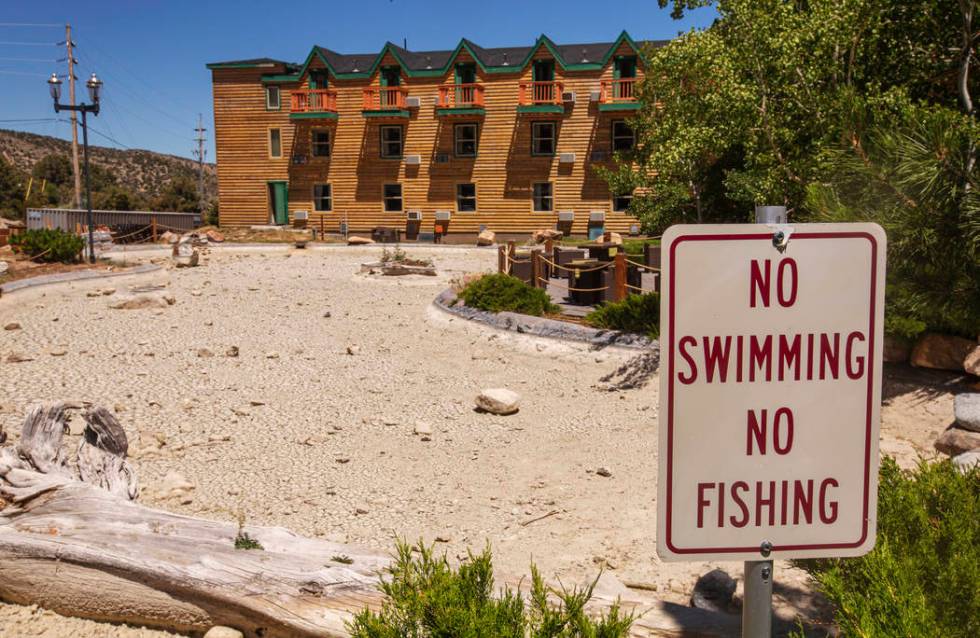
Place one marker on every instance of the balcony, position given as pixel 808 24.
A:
pixel 540 97
pixel 618 95
pixel 460 99
pixel 313 103
pixel 385 102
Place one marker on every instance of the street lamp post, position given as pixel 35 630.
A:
pixel 94 85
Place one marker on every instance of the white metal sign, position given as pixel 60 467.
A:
pixel 770 388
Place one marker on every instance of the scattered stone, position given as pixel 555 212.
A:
pixel 486 238
pixel 342 460
pixel 13 325
pixel 972 362
pixel 143 301
pixel 15 357
pixel 955 441
pixel 326 315
pixel 220 631
pixel 204 353
pixel 256 403
pixel 3 267
pixel 353 350
pixel 896 349
pixel 272 355
pixel 714 591
pixel 442 538
pixel 175 484
pixel 232 351
pixel 541 236
pixel 603 472
pixel 354 240
pixel 966 409
pixel 58 352
pixel 967 461
pixel 214 236
pixel 422 428
pixel 361 511
pixel 942 352
pixel 500 401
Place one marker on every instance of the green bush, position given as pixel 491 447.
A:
pixel 636 313
pixel 49 245
pixel 499 293
pixel 923 577
pixel 426 598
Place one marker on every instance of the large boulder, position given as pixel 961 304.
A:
pixel 972 362
pixel 486 238
pixel 942 352
pixel 498 401
pixel 967 461
pixel 614 238
pixel 541 236
pixel 966 409
pixel 354 240
pixel 896 349
pixel 169 238
pixel 214 236
pixel 714 591
pixel 955 441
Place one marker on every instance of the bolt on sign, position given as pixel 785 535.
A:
pixel 770 390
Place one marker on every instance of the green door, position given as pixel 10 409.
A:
pixel 279 202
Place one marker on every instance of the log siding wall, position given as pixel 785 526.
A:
pixel 503 170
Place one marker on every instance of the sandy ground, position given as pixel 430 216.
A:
pixel 297 432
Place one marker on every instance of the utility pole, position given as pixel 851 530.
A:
pixel 74 118
pixel 200 153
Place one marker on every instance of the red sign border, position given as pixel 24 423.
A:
pixel 869 411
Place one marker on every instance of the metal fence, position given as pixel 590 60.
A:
pixel 73 219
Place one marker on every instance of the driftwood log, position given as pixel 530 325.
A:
pixel 73 540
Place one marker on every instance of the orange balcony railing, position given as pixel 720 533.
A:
pixel 453 96
pixel 540 93
pixel 384 98
pixel 623 90
pixel 313 101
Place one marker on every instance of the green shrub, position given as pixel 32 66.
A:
pixel 499 293
pixel 49 245
pixel 426 598
pixel 923 577
pixel 636 313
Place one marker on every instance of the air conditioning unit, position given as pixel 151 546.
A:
pixel 443 215
pixel 301 214
pixel 442 158
pixel 566 158
pixel 597 216
pixel 566 215
pixel 595 95
pixel 413 159
pixel 414 215
pixel 568 96
pixel 413 102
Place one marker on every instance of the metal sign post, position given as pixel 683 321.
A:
pixel 770 395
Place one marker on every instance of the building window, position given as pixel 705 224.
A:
pixel 322 197
pixel 393 198
pixel 272 98
pixel 320 143
pixel 543 138
pixel 623 138
pixel 391 142
pixel 466 198
pixel 275 142
pixel 621 203
pixel 543 197
pixel 465 142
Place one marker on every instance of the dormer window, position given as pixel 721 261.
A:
pixel 272 102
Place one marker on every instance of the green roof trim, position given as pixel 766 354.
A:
pixel 387 113
pixel 541 108
pixel 620 106
pixel 461 110
pixel 312 115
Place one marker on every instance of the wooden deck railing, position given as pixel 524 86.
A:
pixel 532 93
pixel 460 96
pixel 618 91
pixel 384 98
pixel 313 101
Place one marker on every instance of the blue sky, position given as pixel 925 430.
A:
pixel 151 53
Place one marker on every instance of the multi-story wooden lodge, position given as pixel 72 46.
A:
pixel 428 141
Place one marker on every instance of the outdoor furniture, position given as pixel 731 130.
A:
pixel 651 255
pixel 385 235
pixel 520 267
pixel 562 256
pixel 603 251
pixel 583 277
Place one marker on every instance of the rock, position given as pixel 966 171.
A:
pixel 232 351
pixel 169 238
pixel 942 352
pixel 16 357
pixel 966 409
pixel 422 428
pixel 713 591
pixel 498 401
pixel 190 261
pixel 972 362
pixel 327 315
pixel 13 325
pixel 603 472
pixel 175 484
pixel 58 352
pixel 3 267
pixel 361 511
pixel 896 349
pixel 204 353
pixel 352 350
pixel 219 631
pixel 967 461
pixel 955 441
pixel 272 355
pixel 108 292
pixel 354 240
pixel 541 236
pixel 486 238
pixel 142 301
pixel 214 236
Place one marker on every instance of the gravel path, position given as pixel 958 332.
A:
pixel 296 431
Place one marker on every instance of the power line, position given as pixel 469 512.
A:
pixel 28 44
pixel 33 75
pixel 49 60
pixel 34 119
pixel 28 24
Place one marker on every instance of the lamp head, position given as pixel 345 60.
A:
pixel 94 85
pixel 54 85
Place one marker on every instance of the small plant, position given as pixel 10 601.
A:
pixel 923 577
pixel 499 293
pixel 392 256
pixel 426 598
pixel 48 245
pixel 242 539
pixel 637 313
pixel 343 559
